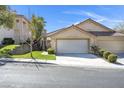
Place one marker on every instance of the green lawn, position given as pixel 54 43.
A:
pixel 10 47
pixel 36 55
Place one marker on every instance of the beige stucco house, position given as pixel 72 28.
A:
pixel 78 38
pixel 20 33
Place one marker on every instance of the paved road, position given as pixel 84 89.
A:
pixel 49 75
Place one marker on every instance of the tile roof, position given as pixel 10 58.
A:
pixel 95 33
pixel 53 32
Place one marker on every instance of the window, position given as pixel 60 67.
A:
pixel 17 20
pixel 24 22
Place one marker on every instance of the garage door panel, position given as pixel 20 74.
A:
pixel 72 46
pixel 113 46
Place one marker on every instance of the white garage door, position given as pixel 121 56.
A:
pixel 72 46
pixel 113 46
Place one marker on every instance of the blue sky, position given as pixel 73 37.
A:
pixel 61 16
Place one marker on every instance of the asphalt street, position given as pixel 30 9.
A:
pixel 28 75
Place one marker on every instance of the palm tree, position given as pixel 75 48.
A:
pixel 38 30
pixel 7 17
pixel 41 32
pixel 36 26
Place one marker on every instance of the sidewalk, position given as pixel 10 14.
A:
pixel 89 63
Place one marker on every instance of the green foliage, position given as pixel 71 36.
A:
pixel 106 54
pixel 4 8
pixel 95 49
pixel 36 55
pixel 37 26
pixel 5 51
pixel 50 51
pixel 112 58
pixel 8 41
pixel 7 17
pixel 9 47
pixel 101 51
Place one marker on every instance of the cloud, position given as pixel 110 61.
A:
pixel 97 17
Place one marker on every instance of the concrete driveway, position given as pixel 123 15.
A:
pixel 76 60
pixel 80 58
pixel 88 60
pixel 76 57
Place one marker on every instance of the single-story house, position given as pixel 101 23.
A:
pixel 79 37
pixel 20 33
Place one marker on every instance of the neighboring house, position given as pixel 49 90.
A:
pixel 78 38
pixel 20 33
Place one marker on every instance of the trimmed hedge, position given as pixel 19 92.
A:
pixel 106 54
pixel 50 51
pixel 112 58
pixel 8 41
pixel 101 51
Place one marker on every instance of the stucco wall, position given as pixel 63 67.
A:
pixel 22 30
pixel 90 26
pixel 113 44
pixel 19 33
pixel 6 33
pixel 71 33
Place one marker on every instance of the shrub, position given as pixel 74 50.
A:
pixel 95 49
pixel 50 51
pixel 106 54
pixel 101 51
pixel 8 41
pixel 28 40
pixel 112 58
pixel 5 53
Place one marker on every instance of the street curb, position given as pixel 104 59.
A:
pixel 9 60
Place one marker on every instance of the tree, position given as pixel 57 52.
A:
pixel 120 27
pixel 36 26
pixel 38 30
pixel 7 17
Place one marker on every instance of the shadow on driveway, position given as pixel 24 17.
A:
pixel 118 63
pixel 120 55
pixel 120 60
pixel 2 63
